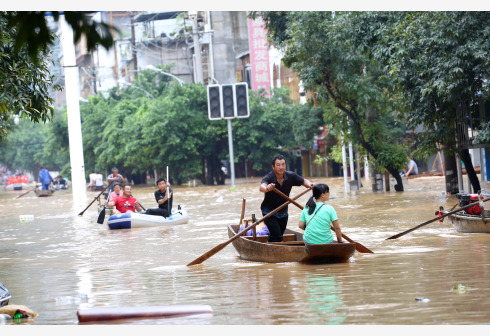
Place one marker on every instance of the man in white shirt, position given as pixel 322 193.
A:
pixel 92 179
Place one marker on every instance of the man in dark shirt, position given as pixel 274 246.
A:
pixel 163 199
pixel 283 180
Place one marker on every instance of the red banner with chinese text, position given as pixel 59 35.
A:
pixel 259 54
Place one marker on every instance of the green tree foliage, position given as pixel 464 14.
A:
pixel 33 33
pixel 322 48
pixel 25 39
pixel 438 61
pixel 267 132
pixel 31 145
pixel 23 84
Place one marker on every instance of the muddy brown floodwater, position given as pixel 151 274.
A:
pixel 59 262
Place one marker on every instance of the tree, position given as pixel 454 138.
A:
pixel 268 130
pixel 438 60
pixel 24 85
pixel 320 47
pixel 24 58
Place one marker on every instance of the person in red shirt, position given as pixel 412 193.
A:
pixel 124 203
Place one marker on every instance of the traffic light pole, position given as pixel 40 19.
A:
pixel 230 145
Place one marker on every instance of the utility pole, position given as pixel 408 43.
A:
pixel 197 49
pixel 116 66
pixel 133 42
pixel 73 114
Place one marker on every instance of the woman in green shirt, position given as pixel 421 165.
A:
pixel 317 216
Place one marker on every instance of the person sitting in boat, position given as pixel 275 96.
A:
pixel 164 199
pixel 45 178
pixel 98 180
pixel 124 203
pixel 91 178
pixel 114 177
pixel 116 193
pixel 317 216
pixel 261 229
pixel 412 168
pixel 59 182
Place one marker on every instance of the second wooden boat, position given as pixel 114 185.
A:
pixel 291 249
pixel 44 193
pixel 110 313
pixel 466 223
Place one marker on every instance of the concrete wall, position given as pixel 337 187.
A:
pixel 230 39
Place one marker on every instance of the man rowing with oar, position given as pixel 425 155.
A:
pixel 284 181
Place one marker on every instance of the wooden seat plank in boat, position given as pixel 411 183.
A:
pixel 291 249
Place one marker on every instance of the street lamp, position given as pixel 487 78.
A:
pixel 123 82
pixel 152 67
pixel 16 119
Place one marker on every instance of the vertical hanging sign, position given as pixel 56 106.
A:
pixel 259 54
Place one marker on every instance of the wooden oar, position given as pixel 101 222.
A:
pixel 28 191
pixel 433 220
pixel 221 246
pixel 81 213
pixel 243 212
pixel 359 247
pixel 101 218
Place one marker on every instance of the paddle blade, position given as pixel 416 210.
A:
pixel 208 254
pixel 362 249
pixel 101 218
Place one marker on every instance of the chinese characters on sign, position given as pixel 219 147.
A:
pixel 259 54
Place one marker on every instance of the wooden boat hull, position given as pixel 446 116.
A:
pixel 292 249
pixel 109 313
pixel 469 224
pixel 130 220
pixel 44 193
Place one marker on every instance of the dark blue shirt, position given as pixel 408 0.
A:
pixel 272 200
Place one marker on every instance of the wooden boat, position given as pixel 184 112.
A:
pixel 291 249
pixel 44 193
pixel 469 223
pixel 130 220
pixel 110 313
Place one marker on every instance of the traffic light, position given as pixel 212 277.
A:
pixel 241 100
pixel 228 99
pixel 214 102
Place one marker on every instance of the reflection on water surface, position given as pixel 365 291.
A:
pixel 60 262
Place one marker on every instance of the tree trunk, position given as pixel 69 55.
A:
pixel 451 174
pixel 470 170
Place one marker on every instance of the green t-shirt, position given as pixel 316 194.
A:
pixel 318 229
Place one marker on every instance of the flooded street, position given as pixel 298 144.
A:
pixel 59 262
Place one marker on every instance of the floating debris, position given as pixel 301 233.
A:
pixel 461 288
pixel 422 299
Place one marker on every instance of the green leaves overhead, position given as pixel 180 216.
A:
pixel 23 85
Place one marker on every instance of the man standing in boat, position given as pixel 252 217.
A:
pixel 164 199
pixel 124 203
pixel 45 178
pixel 282 180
